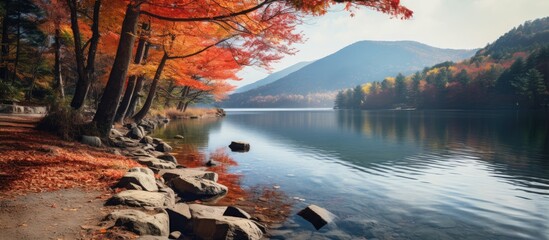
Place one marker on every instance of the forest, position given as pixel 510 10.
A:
pixel 511 73
pixel 117 60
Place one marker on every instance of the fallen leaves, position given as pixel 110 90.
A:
pixel 34 161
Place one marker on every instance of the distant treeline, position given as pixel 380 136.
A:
pixel 520 81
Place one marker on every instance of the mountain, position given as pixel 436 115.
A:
pixel 510 73
pixel 527 36
pixel 272 77
pixel 315 85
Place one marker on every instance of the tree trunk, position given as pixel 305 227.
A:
pixel 184 93
pixel 106 110
pixel 58 80
pixel 94 41
pixel 130 88
pixel 135 97
pixel 185 107
pixel 82 85
pixel 152 90
pixel 5 49
pixel 17 49
pixel 171 87
pixel 119 117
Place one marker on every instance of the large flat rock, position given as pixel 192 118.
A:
pixel 140 222
pixel 138 198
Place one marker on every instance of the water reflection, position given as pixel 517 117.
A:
pixel 397 174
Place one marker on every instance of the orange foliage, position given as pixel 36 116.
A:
pixel 33 161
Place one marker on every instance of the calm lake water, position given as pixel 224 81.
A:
pixel 392 174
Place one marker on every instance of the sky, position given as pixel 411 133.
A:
pixel 456 24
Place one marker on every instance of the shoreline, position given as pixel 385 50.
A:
pixel 95 224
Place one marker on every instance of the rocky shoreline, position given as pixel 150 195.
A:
pixel 160 200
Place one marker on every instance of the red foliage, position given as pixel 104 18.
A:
pixel 33 161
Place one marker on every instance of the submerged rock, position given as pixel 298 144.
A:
pixel 316 215
pixel 239 146
pixel 140 222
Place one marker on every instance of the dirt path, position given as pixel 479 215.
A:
pixel 64 214
pixel 50 188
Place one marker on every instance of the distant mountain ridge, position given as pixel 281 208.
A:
pixel 272 77
pixel 315 85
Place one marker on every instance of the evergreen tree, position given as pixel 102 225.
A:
pixel 400 88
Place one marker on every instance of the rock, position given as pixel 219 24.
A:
pixel 212 163
pixel 123 142
pixel 136 133
pixel 316 215
pixel 236 212
pixel 156 163
pixel 179 215
pixel 239 146
pixel 115 133
pixel 163 147
pixel 139 152
pixel 169 174
pixel 175 235
pixel 191 188
pixel 225 228
pixel 151 237
pixel 140 222
pixel 129 126
pixel 91 140
pixel 170 196
pixel 168 157
pixel 204 211
pixel 142 177
pixel 137 198
pixel 157 140
pixel 146 140
pixel 178 137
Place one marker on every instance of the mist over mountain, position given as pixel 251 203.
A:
pixel 316 84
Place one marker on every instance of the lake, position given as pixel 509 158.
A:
pixel 389 174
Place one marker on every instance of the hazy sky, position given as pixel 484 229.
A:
pixel 461 24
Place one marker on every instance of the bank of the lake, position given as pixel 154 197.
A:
pixel 388 174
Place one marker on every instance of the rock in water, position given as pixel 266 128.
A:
pixel 239 146
pixel 163 147
pixel 169 174
pixel 142 177
pixel 316 215
pixel 236 212
pixel 91 140
pixel 178 137
pixel 225 228
pixel 140 222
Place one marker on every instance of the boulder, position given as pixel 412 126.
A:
pixel 168 157
pixel 139 152
pixel 212 163
pixel 178 137
pixel 140 222
pixel 135 176
pixel 225 228
pixel 205 211
pixel 157 140
pixel 130 126
pixel 156 163
pixel 137 198
pixel 175 235
pixel 239 146
pixel 316 215
pixel 91 140
pixel 236 212
pixel 163 147
pixel 191 188
pixel 123 142
pixel 115 133
pixel 169 174
pixel 136 133
pixel 146 140
pixel 180 216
